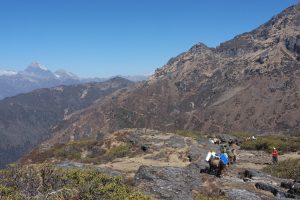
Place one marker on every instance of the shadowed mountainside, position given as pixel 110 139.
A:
pixel 26 119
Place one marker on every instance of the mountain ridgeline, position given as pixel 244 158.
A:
pixel 27 119
pixel 37 76
pixel 250 83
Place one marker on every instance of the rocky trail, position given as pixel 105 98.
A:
pixel 245 174
pixel 167 166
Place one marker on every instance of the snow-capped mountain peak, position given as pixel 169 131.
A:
pixel 38 66
pixel 62 74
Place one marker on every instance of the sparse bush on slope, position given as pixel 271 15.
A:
pixel 46 181
pixel 85 151
pixel 285 169
pixel 266 143
pixel 192 134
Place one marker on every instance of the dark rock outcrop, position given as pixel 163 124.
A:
pixel 293 43
pixel 167 182
pixel 295 189
pixel 276 192
pixel 238 194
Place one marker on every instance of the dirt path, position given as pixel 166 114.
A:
pixel 258 159
pixel 295 155
pixel 250 160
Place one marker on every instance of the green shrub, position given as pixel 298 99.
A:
pixel 266 143
pixel 70 150
pixel 41 181
pixel 119 151
pixel 285 169
pixel 241 135
pixel 192 134
pixel 6 191
pixel 95 152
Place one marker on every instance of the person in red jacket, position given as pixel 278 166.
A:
pixel 275 156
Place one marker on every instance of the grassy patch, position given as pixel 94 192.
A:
pixel 285 169
pixel 266 143
pixel 7 191
pixel 241 135
pixel 119 151
pixel 192 134
pixel 85 151
pixel 41 181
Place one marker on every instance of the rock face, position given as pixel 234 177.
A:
pixel 167 182
pixel 250 83
pixel 276 192
pixel 25 120
pixel 236 194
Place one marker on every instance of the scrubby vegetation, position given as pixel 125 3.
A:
pixel 192 134
pixel 285 169
pixel 85 151
pixel 119 151
pixel 241 135
pixel 282 143
pixel 49 182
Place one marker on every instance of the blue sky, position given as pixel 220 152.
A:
pixel 120 37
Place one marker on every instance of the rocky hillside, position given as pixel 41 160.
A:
pixel 27 119
pixel 250 83
pixel 168 165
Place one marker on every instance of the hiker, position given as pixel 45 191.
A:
pixel 275 156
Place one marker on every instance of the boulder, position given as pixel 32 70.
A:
pixel 229 139
pixel 297 180
pixel 252 174
pixel 277 193
pixel 293 43
pixel 168 182
pixel 286 184
pixel 237 194
pixel 295 189
pixel 196 152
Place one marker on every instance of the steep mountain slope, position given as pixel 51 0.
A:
pixel 26 119
pixel 250 83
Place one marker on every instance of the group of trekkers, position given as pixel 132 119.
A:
pixel 218 163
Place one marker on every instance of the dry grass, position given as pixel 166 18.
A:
pixel 285 169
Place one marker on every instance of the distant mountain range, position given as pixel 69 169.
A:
pixel 26 119
pixel 37 76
